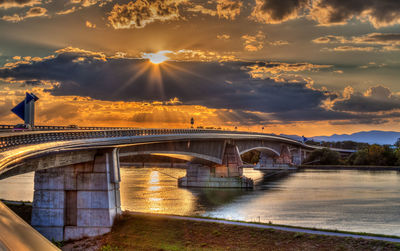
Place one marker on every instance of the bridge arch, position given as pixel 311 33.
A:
pixel 261 149
pixel 188 156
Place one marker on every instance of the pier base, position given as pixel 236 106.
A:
pixel 204 176
pixel 227 175
pixel 76 201
pixel 267 162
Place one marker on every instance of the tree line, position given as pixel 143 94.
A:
pixel 374 155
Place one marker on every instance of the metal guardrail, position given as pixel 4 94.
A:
pixel 51 128
pixel 10 141
pixel 43 134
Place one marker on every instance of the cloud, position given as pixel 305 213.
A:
pixel 90 25
pixel 223 91
pixel 277 11
pixel 382 41
pixel 375 99
pixel 142 12
pixel 352 48
pixel 67 11
pixel 223 36
pixel 254 42
pixel 32 12
pixel 264 70
pixel 278 43
pixel 379 13
pixel 88 3
pixel 83 73
pixel 227 9
pixel 202 56
pixel 6 4
pixel 371 38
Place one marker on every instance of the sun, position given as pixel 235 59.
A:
pixel 156 58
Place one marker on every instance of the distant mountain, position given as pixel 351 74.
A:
pixel 295 137
pixel 371 137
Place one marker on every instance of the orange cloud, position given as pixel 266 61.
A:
pixel 6 4
pixel 254 42
pixel 141 12
pixel 90 25
pixel 227 9
pixel 32 12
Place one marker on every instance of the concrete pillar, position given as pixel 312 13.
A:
pixel 297 157
pixel 75 201
pixel 265 161
pixel 227 175
pixel 285 157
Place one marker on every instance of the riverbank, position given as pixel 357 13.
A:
pixel 346 167
pixel 133 231
pixel 142 231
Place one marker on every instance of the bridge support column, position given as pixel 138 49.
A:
pixel 227 175
pixel 79 200
pixel 297 157
pixel 265 161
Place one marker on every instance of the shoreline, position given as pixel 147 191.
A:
pixel 288 228
pixel 346 167
pixel 20 207
pixel 147 231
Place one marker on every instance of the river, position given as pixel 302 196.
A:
pixel 360 201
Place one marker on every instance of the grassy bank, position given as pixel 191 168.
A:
pixel 146 232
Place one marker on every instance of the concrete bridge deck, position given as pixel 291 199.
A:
pixel 77 171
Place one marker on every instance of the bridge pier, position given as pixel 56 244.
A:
pixel 79 200
pixel 265 161
pixel 227 175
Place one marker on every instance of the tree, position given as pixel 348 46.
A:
pixel 397 144
pixel 324 156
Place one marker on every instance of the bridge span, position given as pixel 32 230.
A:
pixel 77 171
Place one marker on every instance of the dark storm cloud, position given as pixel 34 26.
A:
pixel 211 84
pixel 277 11
pixel 328 12
pixel 379 12
pixel 281 9
pixel 376 99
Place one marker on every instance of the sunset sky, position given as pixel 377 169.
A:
pixel 305 67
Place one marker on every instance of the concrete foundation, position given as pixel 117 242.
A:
pixel 267 162
pixel 78 200
pixel 227 175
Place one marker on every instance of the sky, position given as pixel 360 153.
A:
pixel 304 67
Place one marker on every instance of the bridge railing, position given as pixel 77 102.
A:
pixel 29 138
pixel 71 127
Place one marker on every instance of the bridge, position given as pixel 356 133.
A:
pixel 77 172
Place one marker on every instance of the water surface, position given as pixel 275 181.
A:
pixel 349 200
